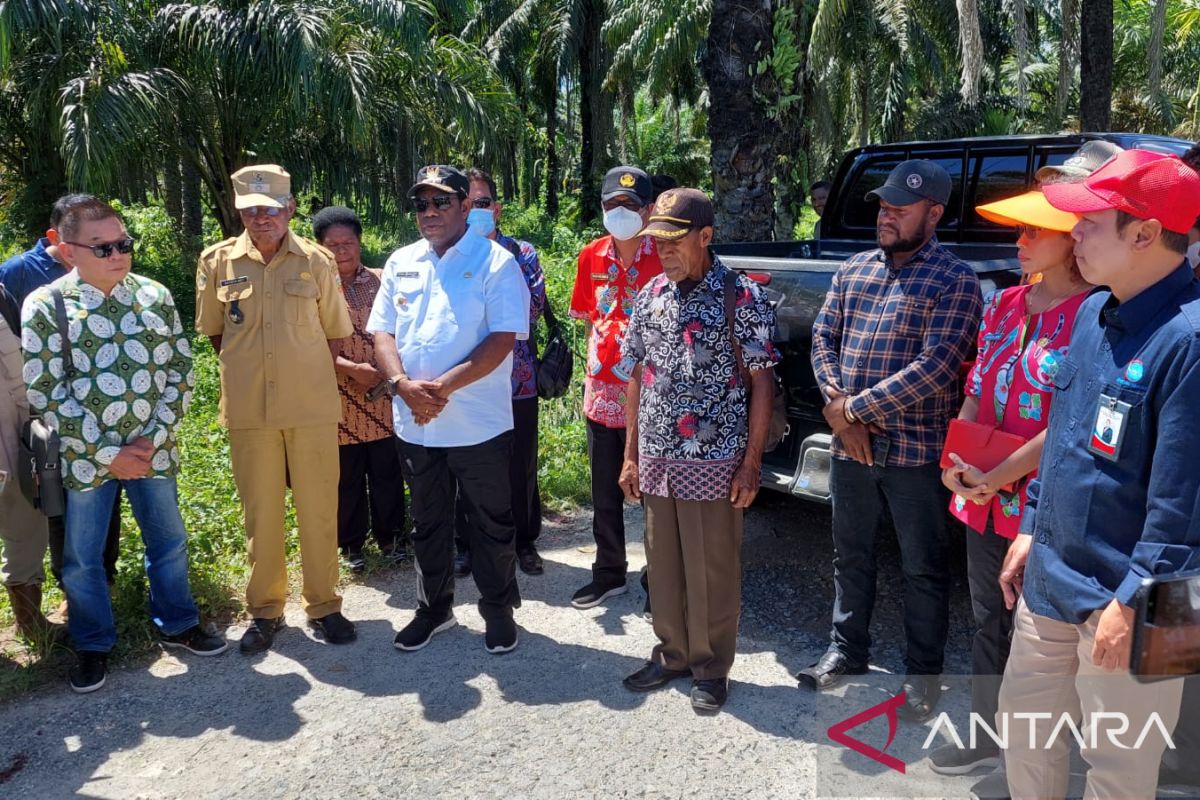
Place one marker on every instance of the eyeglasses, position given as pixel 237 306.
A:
pixel 1028 231
pixel 122 246
pixel 441 202
pixel 254 211
pixel 482 202
pixel 621 202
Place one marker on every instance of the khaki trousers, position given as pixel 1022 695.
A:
pixel 694 556
pixel 262 461
pixel 23 536
pixel 1050 672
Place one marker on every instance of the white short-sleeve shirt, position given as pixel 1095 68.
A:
pixel 441 309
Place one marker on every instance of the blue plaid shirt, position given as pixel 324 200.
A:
pixel 895 339
pixel 1101 526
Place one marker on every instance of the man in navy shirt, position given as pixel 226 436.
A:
pixel 1118 498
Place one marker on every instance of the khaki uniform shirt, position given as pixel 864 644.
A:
pixel 276 370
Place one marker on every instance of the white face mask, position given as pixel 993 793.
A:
pixel 622 223
pixel 1193 254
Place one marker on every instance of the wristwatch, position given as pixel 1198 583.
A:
pixel 392 381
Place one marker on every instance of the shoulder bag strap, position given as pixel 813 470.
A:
pixel 64 334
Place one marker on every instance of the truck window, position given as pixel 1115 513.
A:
pixel 993 177
pixel 860 213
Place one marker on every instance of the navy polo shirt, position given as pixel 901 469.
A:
pixel 1100 526
pixel 26 271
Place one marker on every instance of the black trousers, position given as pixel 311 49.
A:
pixel 481 471
pixel 522 479
pixel 112 544
pixel 917 502
pixel 606 453
pixel 993 622
pixel 370 495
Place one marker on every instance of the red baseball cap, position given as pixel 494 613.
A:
pixel 1143 184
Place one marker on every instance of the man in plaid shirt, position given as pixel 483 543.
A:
pixel 887 346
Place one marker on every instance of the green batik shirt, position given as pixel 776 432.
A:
pixel 133 374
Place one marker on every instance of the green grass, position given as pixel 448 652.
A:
pixel 208 498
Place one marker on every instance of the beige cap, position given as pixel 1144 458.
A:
pixel 261 185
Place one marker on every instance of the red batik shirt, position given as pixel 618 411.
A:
pixel 604 292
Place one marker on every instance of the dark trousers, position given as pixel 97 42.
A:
pixel 917 502
pixel 370 494
pixel 993 622
pixel 522 478
pixel 112 544
pixel 606 453
pixel 481 471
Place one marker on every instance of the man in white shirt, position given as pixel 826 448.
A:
pixel 448 311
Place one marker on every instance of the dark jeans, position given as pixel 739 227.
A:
pixel 606 452
pixel 522 478
pixel 370 489
pixel 481 471
pixel 993 622
pixel 917 502
pixel 112 543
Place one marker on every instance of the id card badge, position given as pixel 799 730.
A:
pixel 1108 430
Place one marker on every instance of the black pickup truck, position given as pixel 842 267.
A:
pixel 796 275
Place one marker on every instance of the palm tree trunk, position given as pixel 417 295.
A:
pixel 1067 53
pixel 191 215
pixel 742 136
pixel 1158 26
pixel 1020 13
pixel 595 113
pixel 552 178
pixel 971 45
pixel 172 191
pixel 1096 66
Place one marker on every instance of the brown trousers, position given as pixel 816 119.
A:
pixel 694 553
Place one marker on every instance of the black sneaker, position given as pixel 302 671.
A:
pixel 462 565
pixel 951 759
pixel 356 561
pixel 395 555
pixel 260 635
pixel 337 629
pixel 710 694
pixel 417 633
pixel 501 636
pixel 88 673
pixel 196 640
pixel 596 593
pixel 529 561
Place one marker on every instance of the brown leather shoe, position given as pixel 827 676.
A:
pixel 32 625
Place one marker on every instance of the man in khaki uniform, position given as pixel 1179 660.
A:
pixel 270 303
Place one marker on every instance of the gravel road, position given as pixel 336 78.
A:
pixel 550 720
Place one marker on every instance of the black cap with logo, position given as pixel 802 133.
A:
pixel 629 182
pixel 913 181
pixel 440 176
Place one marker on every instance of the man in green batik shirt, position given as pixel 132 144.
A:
pixel 116 406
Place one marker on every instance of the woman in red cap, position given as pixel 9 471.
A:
pixel 1022 339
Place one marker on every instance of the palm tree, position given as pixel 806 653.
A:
pixel 1096 65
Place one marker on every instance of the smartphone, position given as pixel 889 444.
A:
pixel 880 446
pixel 1166 629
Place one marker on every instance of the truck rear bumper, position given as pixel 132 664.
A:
pixel 809 479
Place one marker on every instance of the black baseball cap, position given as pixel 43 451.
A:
pixel 913 181
pixel 1082 163
pixel 628 181
pixel 440 176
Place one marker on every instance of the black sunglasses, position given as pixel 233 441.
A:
pixel 122 246
pixel 482 202
pixel 1028 231
pixel 441 202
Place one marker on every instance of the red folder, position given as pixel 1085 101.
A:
pixel 979 445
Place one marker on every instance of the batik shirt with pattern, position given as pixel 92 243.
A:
pixel 133 374
pixel 693 411
pixel 524 374
pixel 362 420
